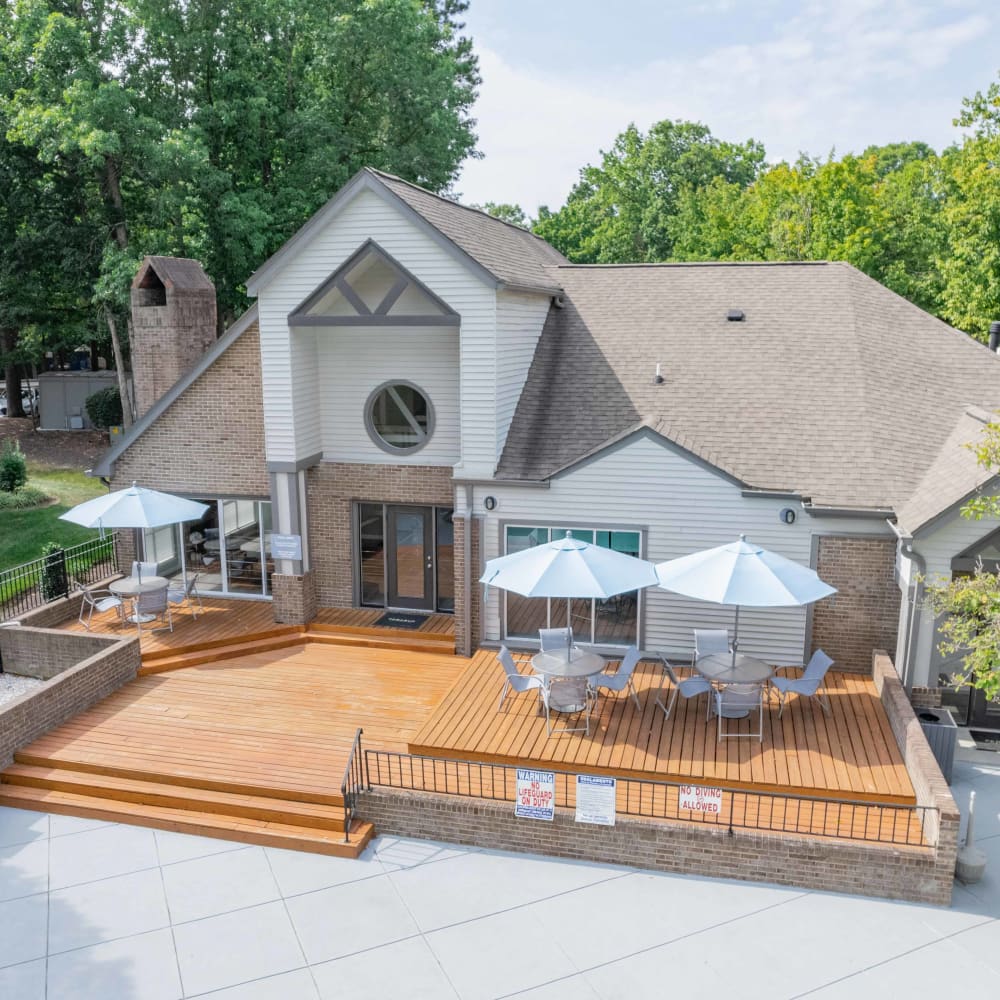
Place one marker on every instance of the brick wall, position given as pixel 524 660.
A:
pixel 211 440
pixel 660 845
pixel 109 664
pixel 942 820
pixel 333 486
pixel 864 614
pixel 43 653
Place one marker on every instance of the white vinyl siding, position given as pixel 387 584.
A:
pixel 952 535
pixel 520 319
pixel 353 362
pixel 293 415
pixel 681 506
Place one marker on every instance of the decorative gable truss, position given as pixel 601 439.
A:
pixel 372 289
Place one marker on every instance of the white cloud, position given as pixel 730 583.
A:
pixel 841 75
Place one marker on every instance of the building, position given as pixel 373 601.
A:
pixel 420 387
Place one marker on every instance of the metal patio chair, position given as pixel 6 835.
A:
pixel 516 681
pixel 185 593
pixel 708 641
pixel 621 679
pixel 740 698
pixel 156 604
pixel 554 639
pixel 148 569
pixel 809 684
pixel 100 600
pixel 690 687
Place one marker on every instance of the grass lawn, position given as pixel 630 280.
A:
pixel 24 532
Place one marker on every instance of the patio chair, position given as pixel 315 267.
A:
pixel 554 639
pixel 708 641
pixel 148 569
pixel 97 600
pixel 155 603
pixel 809 684
pixel 180 592
pixel 516 681
pixel 690 687
pixel 621 679
pixel 740 698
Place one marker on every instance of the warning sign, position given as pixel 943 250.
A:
pixel 536 794
pixel 697 799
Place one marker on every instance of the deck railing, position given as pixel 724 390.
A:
pixel 354 781
pixel 30 585
pixel 772 812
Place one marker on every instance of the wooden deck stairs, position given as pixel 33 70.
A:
pixel 129 782
pixel 268 816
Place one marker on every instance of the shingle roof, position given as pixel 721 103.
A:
pixel 952 477
pixel 512 254
pixel 175 272
pixel 833 387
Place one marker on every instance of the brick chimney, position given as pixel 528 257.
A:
pixel 173 324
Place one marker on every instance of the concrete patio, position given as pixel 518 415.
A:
pixel 100 910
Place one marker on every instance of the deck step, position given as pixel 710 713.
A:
pixel 260 635
pixel 195 656
pixel 243 830
pixel 412 643
pixel 444 639
pixel 190 798
pixel 179 780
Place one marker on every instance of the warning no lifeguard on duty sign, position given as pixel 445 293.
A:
pixel 536 794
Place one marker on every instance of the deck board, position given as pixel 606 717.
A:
pixel 849 754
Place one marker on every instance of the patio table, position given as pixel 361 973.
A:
pixel 725 668
pixel 130 587
pixel 570 669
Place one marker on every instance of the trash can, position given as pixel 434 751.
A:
pixel 942 735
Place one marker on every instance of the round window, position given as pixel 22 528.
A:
pixel 399 417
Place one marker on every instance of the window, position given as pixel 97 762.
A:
pixel 399 418
pixel 614 622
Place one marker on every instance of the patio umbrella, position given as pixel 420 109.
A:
pixel 742 573
pixel 569 568
pixel 135 507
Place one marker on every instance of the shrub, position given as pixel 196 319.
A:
pixel 53 582
pixel 104 407
pixel 23 499
pixel 13 467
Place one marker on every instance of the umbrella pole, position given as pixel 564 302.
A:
pixel 736 633
pixel 569 627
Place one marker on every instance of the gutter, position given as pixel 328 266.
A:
pixel 883 513
pixel 467 575
pixel 914 598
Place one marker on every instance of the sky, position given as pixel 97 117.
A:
pixel 561 78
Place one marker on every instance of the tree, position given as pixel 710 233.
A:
pixel 626 208
pixel 505 211
pixel 970 606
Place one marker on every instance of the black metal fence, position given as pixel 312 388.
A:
pixel 354 781
pixel 772 812
pixel 29 586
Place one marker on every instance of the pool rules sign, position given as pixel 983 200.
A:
pixel 536 794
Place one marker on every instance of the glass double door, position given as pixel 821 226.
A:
pixel 406 557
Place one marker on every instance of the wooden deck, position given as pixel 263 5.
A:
pixel 850 754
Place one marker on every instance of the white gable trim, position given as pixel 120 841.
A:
pixel 364 180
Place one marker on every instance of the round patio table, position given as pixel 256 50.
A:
pixel 132 587
pixel 725 668
pixel 570 668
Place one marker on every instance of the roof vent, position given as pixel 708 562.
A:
pixel 995 337
pixel 736 315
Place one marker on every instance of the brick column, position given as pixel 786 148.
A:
pixel 465 645
pixel 294 598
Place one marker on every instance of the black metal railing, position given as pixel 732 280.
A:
pixel 354 781
pixel 30 585
pixel 771 812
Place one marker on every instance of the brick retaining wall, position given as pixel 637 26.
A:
pixel 103 664
pixel 663 845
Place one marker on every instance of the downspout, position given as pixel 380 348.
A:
pixel 916 592
pixel 467 575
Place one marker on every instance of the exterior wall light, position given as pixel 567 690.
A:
pixel 490 503
pixel 787 515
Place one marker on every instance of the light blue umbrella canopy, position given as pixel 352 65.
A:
pixel 570 568
pixel 135 507
pixel 742 573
